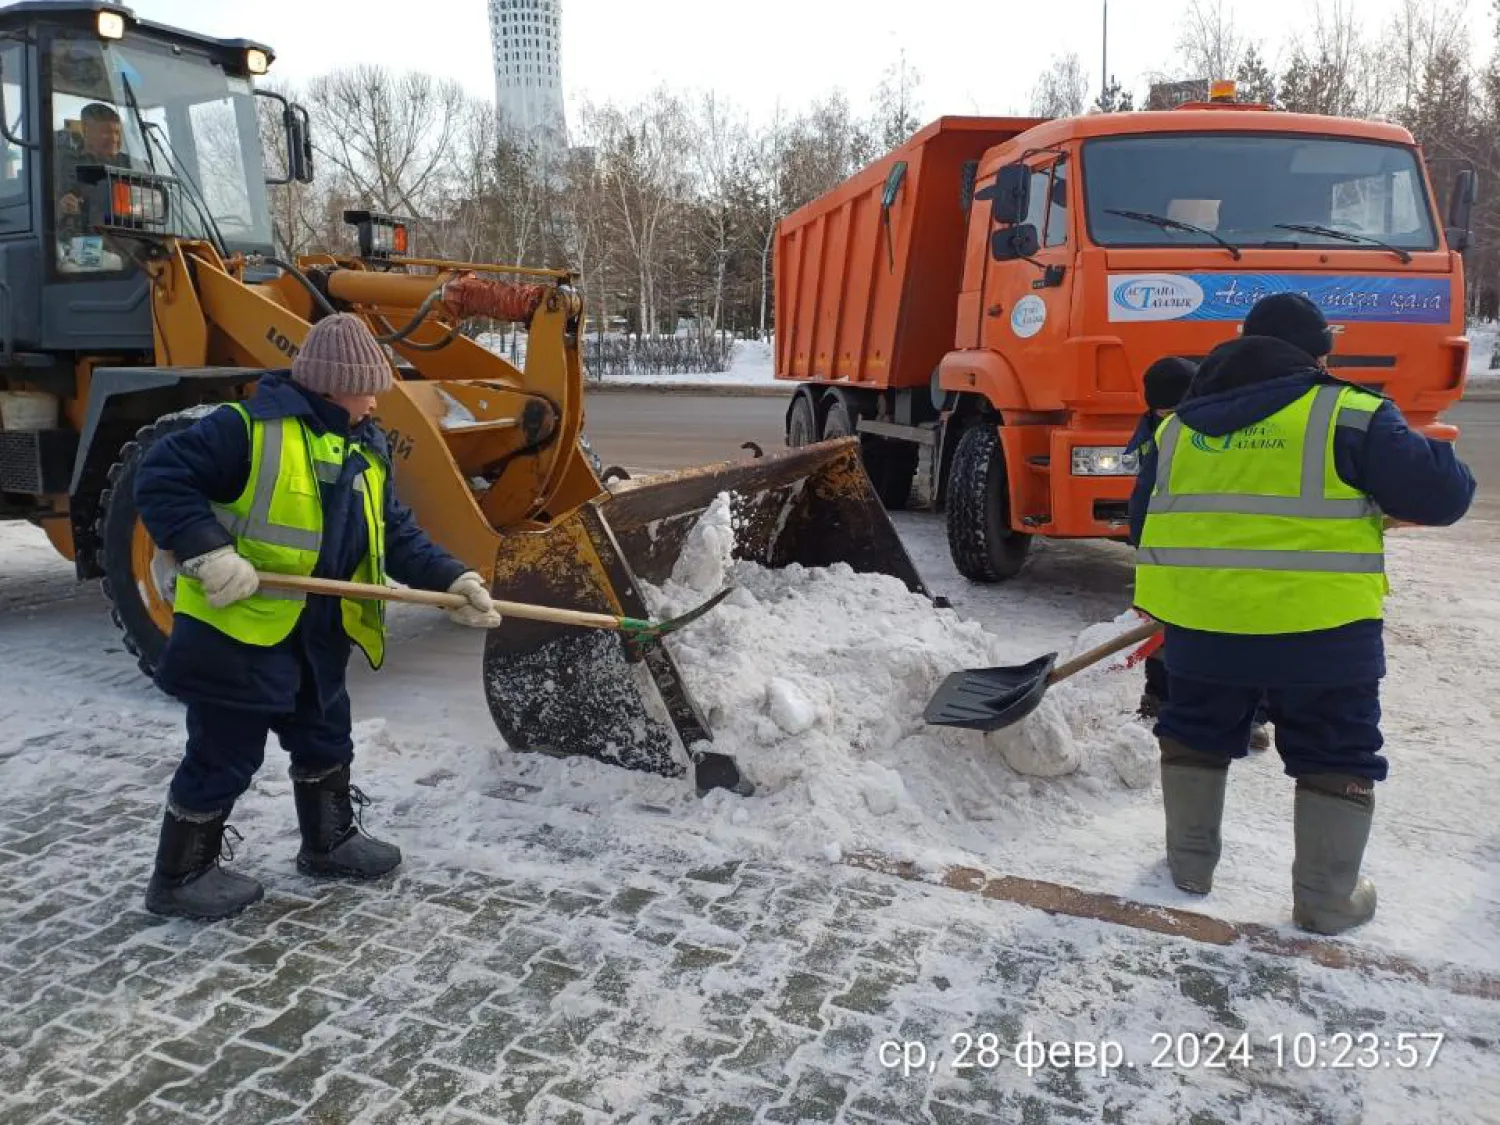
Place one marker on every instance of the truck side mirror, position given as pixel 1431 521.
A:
pixel 1015 242
pixel 1009 195
pixel 1461 209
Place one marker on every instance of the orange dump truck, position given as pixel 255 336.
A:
pixel 980 305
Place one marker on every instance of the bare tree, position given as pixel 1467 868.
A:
pixel 1062 89
pixel 897 107
pixel 1210 45
pixel 389 134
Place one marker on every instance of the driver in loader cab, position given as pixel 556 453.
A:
pixel 1260 513
pixel 103 143
pixel 295 480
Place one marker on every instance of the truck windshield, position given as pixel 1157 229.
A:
pixel 200 127
pixel 1247 188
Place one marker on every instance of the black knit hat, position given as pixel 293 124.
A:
pixel 1166 381
pixel 1293 318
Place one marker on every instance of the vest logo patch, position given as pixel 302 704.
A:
pixel 1252 439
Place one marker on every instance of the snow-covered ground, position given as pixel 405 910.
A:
pixel 1481 346
pixel 815 681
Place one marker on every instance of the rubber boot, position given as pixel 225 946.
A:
pixel 188 881
pixel 333 843
pixel 1192 795
pixel 1328 894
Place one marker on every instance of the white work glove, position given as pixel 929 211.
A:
pixel 480 613
pixel 225 574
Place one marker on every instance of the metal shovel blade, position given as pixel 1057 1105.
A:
pixel 990 698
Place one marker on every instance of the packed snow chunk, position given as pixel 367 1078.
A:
pixel 790 709
pixel 708 552
pixel 1133 751
pixel 882 789
pixel 1041 745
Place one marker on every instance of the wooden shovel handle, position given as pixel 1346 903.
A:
pixel 1142 632
pixel 434 598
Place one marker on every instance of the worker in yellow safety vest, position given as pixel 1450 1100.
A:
pixel 1258 512
pixel 295 480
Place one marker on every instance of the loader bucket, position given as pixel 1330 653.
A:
pixel 571 691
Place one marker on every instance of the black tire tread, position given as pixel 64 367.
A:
pixel 118 585
pixel 979 540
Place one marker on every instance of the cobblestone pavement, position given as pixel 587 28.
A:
pixel 737 992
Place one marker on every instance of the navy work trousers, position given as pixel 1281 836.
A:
pixel 227 745
pixel 1318 729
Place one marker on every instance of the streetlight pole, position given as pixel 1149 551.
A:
pixel 1104 57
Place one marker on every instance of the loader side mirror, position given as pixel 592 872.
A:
pixel 300 140
pixel 1017 242
pixel 1009 195
pixel 1461 209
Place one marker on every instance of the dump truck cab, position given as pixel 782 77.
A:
pixel 1109 241
pixel 981 304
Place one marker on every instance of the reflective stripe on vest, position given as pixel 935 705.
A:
pixel 277 523
pixel 1270 539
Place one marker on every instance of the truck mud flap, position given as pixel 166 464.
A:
pixel 592 693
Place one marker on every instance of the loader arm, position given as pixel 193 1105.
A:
pixel 476 443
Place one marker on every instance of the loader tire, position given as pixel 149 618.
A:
pixel 890 465
pixel 138 578
pixel 980 539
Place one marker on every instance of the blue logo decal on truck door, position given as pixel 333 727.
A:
pixel 1229 296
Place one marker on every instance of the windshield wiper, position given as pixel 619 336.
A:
pixel 1344 236
pixel 1175 224
pixel 140 122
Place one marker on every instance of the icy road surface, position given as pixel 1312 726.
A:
pixel 568 942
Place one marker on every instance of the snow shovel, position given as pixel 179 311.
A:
pixel 633 628
pixel 990 698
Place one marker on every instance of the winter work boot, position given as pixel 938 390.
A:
pixel 1192 796
pixel 1328 894
pixel 188 881
pixel 332 842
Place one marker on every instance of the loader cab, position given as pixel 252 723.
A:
pixel 87 86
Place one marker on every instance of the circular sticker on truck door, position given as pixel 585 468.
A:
pixel 1027 318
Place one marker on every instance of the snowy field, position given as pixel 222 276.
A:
pixel 815 681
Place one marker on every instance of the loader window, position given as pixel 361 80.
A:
pixel 1246 186
pixel 143 104
pixel 13 187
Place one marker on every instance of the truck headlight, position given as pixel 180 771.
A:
pixel 1104 461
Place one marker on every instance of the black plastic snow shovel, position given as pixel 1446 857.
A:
pixel 991 698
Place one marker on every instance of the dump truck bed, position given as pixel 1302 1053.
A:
pixel 868 295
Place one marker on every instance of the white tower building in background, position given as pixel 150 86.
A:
pixel 525 37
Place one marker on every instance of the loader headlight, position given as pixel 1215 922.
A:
pixel 380 236
pixel 256 61
pixel 1103 461
pixel 111 25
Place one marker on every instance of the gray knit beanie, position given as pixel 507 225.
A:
pixel 340 357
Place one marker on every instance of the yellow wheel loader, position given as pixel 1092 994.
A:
pixel 140 287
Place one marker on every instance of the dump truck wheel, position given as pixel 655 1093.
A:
pixel 138 578
pixel 890 465
pixel 801 423
pixel 980 539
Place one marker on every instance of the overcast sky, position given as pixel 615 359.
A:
pixel 973 56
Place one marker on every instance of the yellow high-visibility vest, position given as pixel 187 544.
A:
pixel 1254 532
pixel 277 524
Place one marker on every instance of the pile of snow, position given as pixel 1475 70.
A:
pixel 815 680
